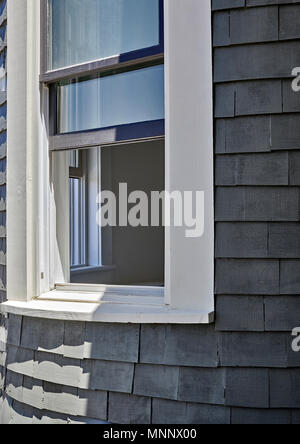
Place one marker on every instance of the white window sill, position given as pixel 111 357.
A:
pixel 107 307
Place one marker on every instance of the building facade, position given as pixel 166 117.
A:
pixel 238 367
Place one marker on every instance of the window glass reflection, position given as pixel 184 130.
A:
pixel 88 30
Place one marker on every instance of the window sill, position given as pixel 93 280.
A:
pixel 90 307
pixel 92 269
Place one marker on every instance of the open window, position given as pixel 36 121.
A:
pixel 108 118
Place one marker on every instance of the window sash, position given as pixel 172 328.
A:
pixel 112 100
pixel 129 133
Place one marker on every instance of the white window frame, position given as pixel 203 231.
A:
pixel 37 226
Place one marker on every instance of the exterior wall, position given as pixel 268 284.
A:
pixel 242 368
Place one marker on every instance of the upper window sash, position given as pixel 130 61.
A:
pixel 49 75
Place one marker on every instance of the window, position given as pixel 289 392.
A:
pixel 174 133
pixel 110 81
pixel 84 31
pixel 118 103
pixel 111 100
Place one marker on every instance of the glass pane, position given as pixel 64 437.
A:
pixel 130 97
pixel 87 30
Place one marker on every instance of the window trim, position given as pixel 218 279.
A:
pixel 190 264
